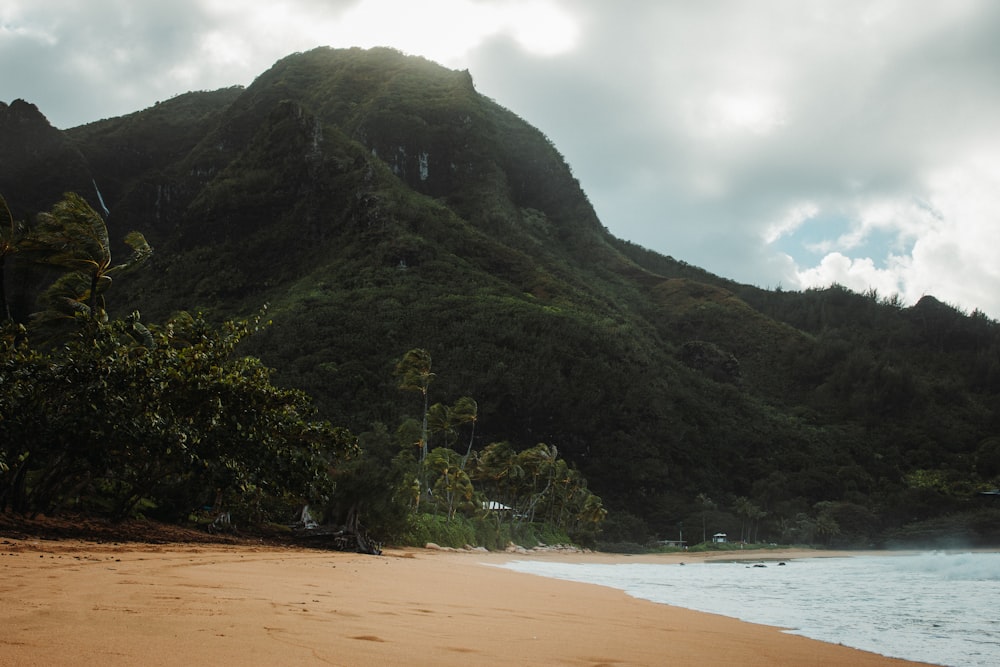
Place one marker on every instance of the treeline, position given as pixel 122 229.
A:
pixel 111 424
pixel 114 416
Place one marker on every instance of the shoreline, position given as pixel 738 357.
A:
pixel 676 557
pixel 67 601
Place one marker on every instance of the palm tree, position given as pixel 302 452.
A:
pixel 414 371
pixel 74 238
pixel 827 528
pixel 452 486
pixel 440 421
pixel 707 504
pixel 747 512
pixel 466 411
pixel 538 464
pixel 499 473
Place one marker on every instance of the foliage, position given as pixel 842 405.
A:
pixel 117 413
pixel 414 371
pixel 535 485
pixel 491 495
pixel 74 238
pixel 104 417
pixel 437 529
pixel 376 488
pixel 464 531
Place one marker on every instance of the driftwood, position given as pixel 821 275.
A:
pixel 351 537
pixel 339 538
pixel 223 524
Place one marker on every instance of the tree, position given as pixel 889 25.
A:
pixel 375 488
pixel 103 417
pixel 707 505
pixel 534 485
pixel 440 422
pixel 414 372
pixel 749 514
pixel 539 465
pixel 826 528
pixel 446 421
pixel 538 486
pixel 498 473
pixel 452 486
pixel 74 238
pixel 466 411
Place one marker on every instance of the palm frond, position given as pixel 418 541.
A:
pixel 141 251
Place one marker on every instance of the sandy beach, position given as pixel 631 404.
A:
pixel 73 602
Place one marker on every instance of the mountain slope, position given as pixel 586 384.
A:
pixel 378 203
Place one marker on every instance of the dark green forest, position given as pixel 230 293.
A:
pixel 383 211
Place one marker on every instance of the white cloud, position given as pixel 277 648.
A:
pixel 793 219
pixel 859 275
pixel 441 30
pixel 73 58
pixel 950 236
pixel 542 28
pixel 957 259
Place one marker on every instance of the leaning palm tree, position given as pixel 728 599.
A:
pixel 74 238
pixel 414 372
pixel 466 411
pixel 441 422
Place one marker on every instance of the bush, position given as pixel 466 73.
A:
pixel 435 528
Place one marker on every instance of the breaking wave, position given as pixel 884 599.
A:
pixel 939 608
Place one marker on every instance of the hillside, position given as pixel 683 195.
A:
pixel 378 203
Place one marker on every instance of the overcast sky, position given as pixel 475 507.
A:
pixel 789 143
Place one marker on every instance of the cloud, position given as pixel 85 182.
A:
pixel 859 275
pixel 80 61
pixel 714 132
pixel 956 259
pixel 83 60
pixel 938 238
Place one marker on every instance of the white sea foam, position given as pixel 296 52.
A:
pixel 939 608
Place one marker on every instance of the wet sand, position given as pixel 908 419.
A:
pixel 71 602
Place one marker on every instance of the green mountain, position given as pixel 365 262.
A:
pixel 378 203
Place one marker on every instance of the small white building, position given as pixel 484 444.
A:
pixel 494 506
pixel 719 538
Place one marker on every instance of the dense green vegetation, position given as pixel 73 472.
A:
pixel 105 415
pixel 380 205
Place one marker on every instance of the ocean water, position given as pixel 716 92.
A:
pixel 939 608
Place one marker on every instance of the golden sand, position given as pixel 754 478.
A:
pixel 82 603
